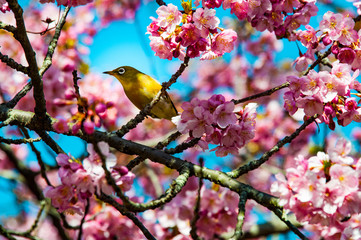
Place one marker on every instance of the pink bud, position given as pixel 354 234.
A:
pixel 69 94
pixel 100 108
pixel 88 126
pixel 326 40
pixel 346 55
pixel 59 102
pixel 75 128
pixel 328 110
pixel 334 49
pixel 122 170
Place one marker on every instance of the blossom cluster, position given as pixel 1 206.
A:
pixel 217 214
pixel 215 122
pixel 336 30
pixel 326 94
pixel 80 180
pixel 324 192
pixel 281 17
pixel 195 33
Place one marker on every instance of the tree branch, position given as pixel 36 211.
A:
pixel 22 37
pixel 13 64
pixel 238 233
pixel 19 141
pixel 12 103
pixel 7 27
pixel 38 157
pixel 197 207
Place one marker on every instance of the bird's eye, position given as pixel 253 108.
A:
pixel 121 71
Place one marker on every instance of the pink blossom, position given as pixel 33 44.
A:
pixel 224 41
pixel 331 23
pixel 88 126
pixel 347 34
pixel 224 114
pixel 239 8
pixel 205 18
pixel 161 48
pixel 169 17
pixel 346 55
pixel 189 35
pixel 308 38
pixel 347 177
pixel 4 6
pixel 61 126
pixel 211 3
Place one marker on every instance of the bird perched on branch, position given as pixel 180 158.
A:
pixel 141 89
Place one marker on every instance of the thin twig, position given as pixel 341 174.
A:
pixel 256 163
pixel 110 180
pixel 126 213
pixel 37 219
pixel 19 141
pixel 5 233
pixel 262 94
pixel 77 92
pixel 318 61
pixel 175 187
pixel 197 207
pixel 183 146
pixel 38 156
pixel 136 161
pixel 12 103
pixel 87 206
pixel 50 142
pixel 53 43
pixel 281 215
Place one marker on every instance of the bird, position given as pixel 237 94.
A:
pixel 141 89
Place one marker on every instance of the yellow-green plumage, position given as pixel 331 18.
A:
pixel 141 89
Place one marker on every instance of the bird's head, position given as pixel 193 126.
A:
pixel 124 73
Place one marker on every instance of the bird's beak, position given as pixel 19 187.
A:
pixel 109 72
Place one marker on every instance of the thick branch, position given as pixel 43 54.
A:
pixel 7 27
pixel 13 64
pixel 22 37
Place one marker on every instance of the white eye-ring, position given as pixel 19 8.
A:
pixel 121 71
